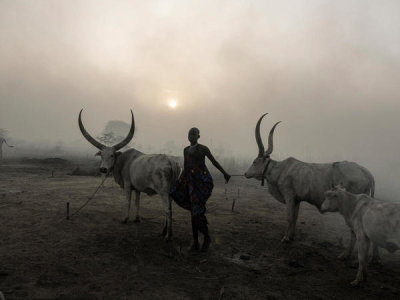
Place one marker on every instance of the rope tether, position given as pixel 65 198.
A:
pixel 90 198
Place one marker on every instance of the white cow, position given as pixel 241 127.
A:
pixel 372 220
pixel 134 170
pixel 292 181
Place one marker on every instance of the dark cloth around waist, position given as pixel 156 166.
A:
pixel 192 190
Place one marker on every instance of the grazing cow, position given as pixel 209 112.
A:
pixel 291 181
pixel 372 220
pixel 134 170
pixel 3 140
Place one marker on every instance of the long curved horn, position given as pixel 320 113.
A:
pixel 129 136
pixel 87 135
pixel 271 140
pixel 258 136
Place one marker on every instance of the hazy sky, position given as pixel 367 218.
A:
pixel 330 70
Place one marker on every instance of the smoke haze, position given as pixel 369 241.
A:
pixel 329 70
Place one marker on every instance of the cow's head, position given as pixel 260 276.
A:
pixel 332 199
pixel 108 154
pixel 260 164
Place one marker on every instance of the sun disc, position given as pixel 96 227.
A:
pixel 172 103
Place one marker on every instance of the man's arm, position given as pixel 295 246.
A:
pixel 215 163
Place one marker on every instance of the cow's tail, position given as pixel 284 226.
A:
pixel 372 190
pixel 175 170
pixel 178 171
pixel 371 181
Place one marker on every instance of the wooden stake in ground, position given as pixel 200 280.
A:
pixel 234 200
pixel 221 292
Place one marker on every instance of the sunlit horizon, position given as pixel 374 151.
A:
pixel 329 74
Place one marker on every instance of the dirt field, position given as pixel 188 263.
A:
pixel 94 256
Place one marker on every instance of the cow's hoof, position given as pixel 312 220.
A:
pixel 125 221
pixel 286 240
pixel 163 233
pixel 137 220
pixel 355 283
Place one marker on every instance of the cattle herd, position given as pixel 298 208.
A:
pixel 343 187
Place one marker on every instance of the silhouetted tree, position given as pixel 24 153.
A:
pixel 108 138
pixel 3 134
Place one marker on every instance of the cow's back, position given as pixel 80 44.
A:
pixel 355 178
pixel 309 181
pixel 153 172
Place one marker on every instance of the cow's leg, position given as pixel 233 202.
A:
pixel 363 247
pixel 347 252
pixel 164 230
pixel 375 254
pixel 137 206
pixel 128 194
pixel 167 231
pixel 292 210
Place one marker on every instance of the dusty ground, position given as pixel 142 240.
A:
pixel 94 256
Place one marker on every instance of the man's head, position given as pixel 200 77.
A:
pixel 193 135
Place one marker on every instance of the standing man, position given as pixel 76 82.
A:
pixel 195 186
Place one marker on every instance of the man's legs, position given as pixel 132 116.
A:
pixel 195 230
pixel 203 228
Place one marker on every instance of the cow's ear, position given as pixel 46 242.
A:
pixel 98 153
pixel 118 153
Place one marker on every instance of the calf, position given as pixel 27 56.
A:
pixel 372 220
